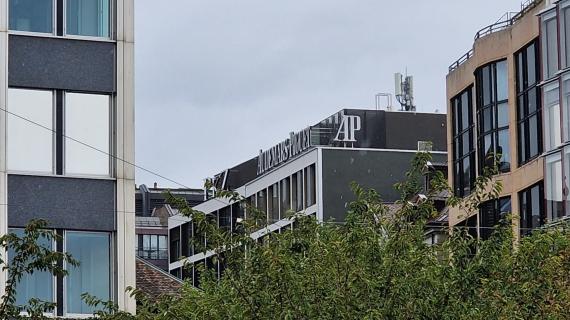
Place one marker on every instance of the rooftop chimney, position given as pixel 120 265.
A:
pixel 155 185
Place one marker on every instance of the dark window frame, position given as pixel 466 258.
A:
pixel 458 156
pixel 493 105
pixel 523 120
pixel 526 201
pixel 485 231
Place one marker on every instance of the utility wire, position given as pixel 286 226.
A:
pixel 96 149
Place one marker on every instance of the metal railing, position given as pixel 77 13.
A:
pixel 504 22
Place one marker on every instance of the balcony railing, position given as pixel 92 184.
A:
pixel 504 22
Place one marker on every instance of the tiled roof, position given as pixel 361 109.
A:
pixel 154 282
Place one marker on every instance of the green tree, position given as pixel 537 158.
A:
pixel 29 257
pixel 375 265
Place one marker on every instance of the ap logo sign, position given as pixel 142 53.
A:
pixel 348 127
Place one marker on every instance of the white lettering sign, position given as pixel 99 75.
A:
pixel 291 147
pixel 348 127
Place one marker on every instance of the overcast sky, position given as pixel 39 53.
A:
pixel 217 80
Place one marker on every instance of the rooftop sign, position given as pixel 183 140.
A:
pixel 285 150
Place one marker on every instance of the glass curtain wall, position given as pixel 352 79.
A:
pixel 493 116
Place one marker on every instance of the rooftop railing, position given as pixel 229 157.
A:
pixel 504 22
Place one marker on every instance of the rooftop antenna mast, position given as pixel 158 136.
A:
pixel 404 91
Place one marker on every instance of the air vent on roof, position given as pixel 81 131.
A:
pixel 425 146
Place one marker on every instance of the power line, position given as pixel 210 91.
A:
pixel 96 149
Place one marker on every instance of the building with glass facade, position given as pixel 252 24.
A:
pixel 66 81
pixel 152 213
pixel 311 172
pixel 506 102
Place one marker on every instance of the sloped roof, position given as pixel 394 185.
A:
pixel 154 282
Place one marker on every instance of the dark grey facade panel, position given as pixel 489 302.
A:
pixel 52 63
pixel 405 129
pixel 67 203
pixel 378 170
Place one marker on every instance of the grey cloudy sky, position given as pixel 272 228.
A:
pixel 216 80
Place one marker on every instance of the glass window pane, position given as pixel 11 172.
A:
pixel 551 48
pixel 533 135
pixel 465 110
pixel 285 197
pixel 566 15
pixel 553 183
pixel 552 123
pixel 522 142
pixel 567 177
pixel 531 65
pixel 486 86
pixel 535 207
pixel 503 149
pixel 532 101
pixel 30 145
pixel 31 15
pixel 87 120
pixel 92 250
pixel 88 18
pixel 503 115
pixel 487 119
pixel 566 110
pixel 37 285
pixel 502 87
pixel 466 175
pixel 465 143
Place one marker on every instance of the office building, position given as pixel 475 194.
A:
pixel 152 213
pixel 310 172
pixel 507 99
pixel 66 81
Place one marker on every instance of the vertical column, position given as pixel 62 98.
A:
pixel 124 144
pixel 3 104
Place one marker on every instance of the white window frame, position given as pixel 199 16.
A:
pixel 548 146
pixel 112 280
pixel 544 19
pixel 53 277
pixel 111 147
pixel 53 34
pixel 53 135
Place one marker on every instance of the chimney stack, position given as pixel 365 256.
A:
pixel 155 185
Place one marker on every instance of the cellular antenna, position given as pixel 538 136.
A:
pixel 404 91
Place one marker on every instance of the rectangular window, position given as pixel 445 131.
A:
pixel 88 18
pixel 310 188
pixel 529 111
pixel 152 247
pixel 225 218
pixel 87 120
pixel 39 284
pixel 566 106
pixel 567 178
pixel 464 152
pixel 552 117
pixel 493 116
pixel 531 208
pixel 553 184
pixel 490 215
pixel 174 244
pixel 565 30
pixel 34 143
pixel 93 275
pixel 30 130
pixel 31 15
pixel 550 47
pixel 285 189
pixel 274 203
pixel 297 191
